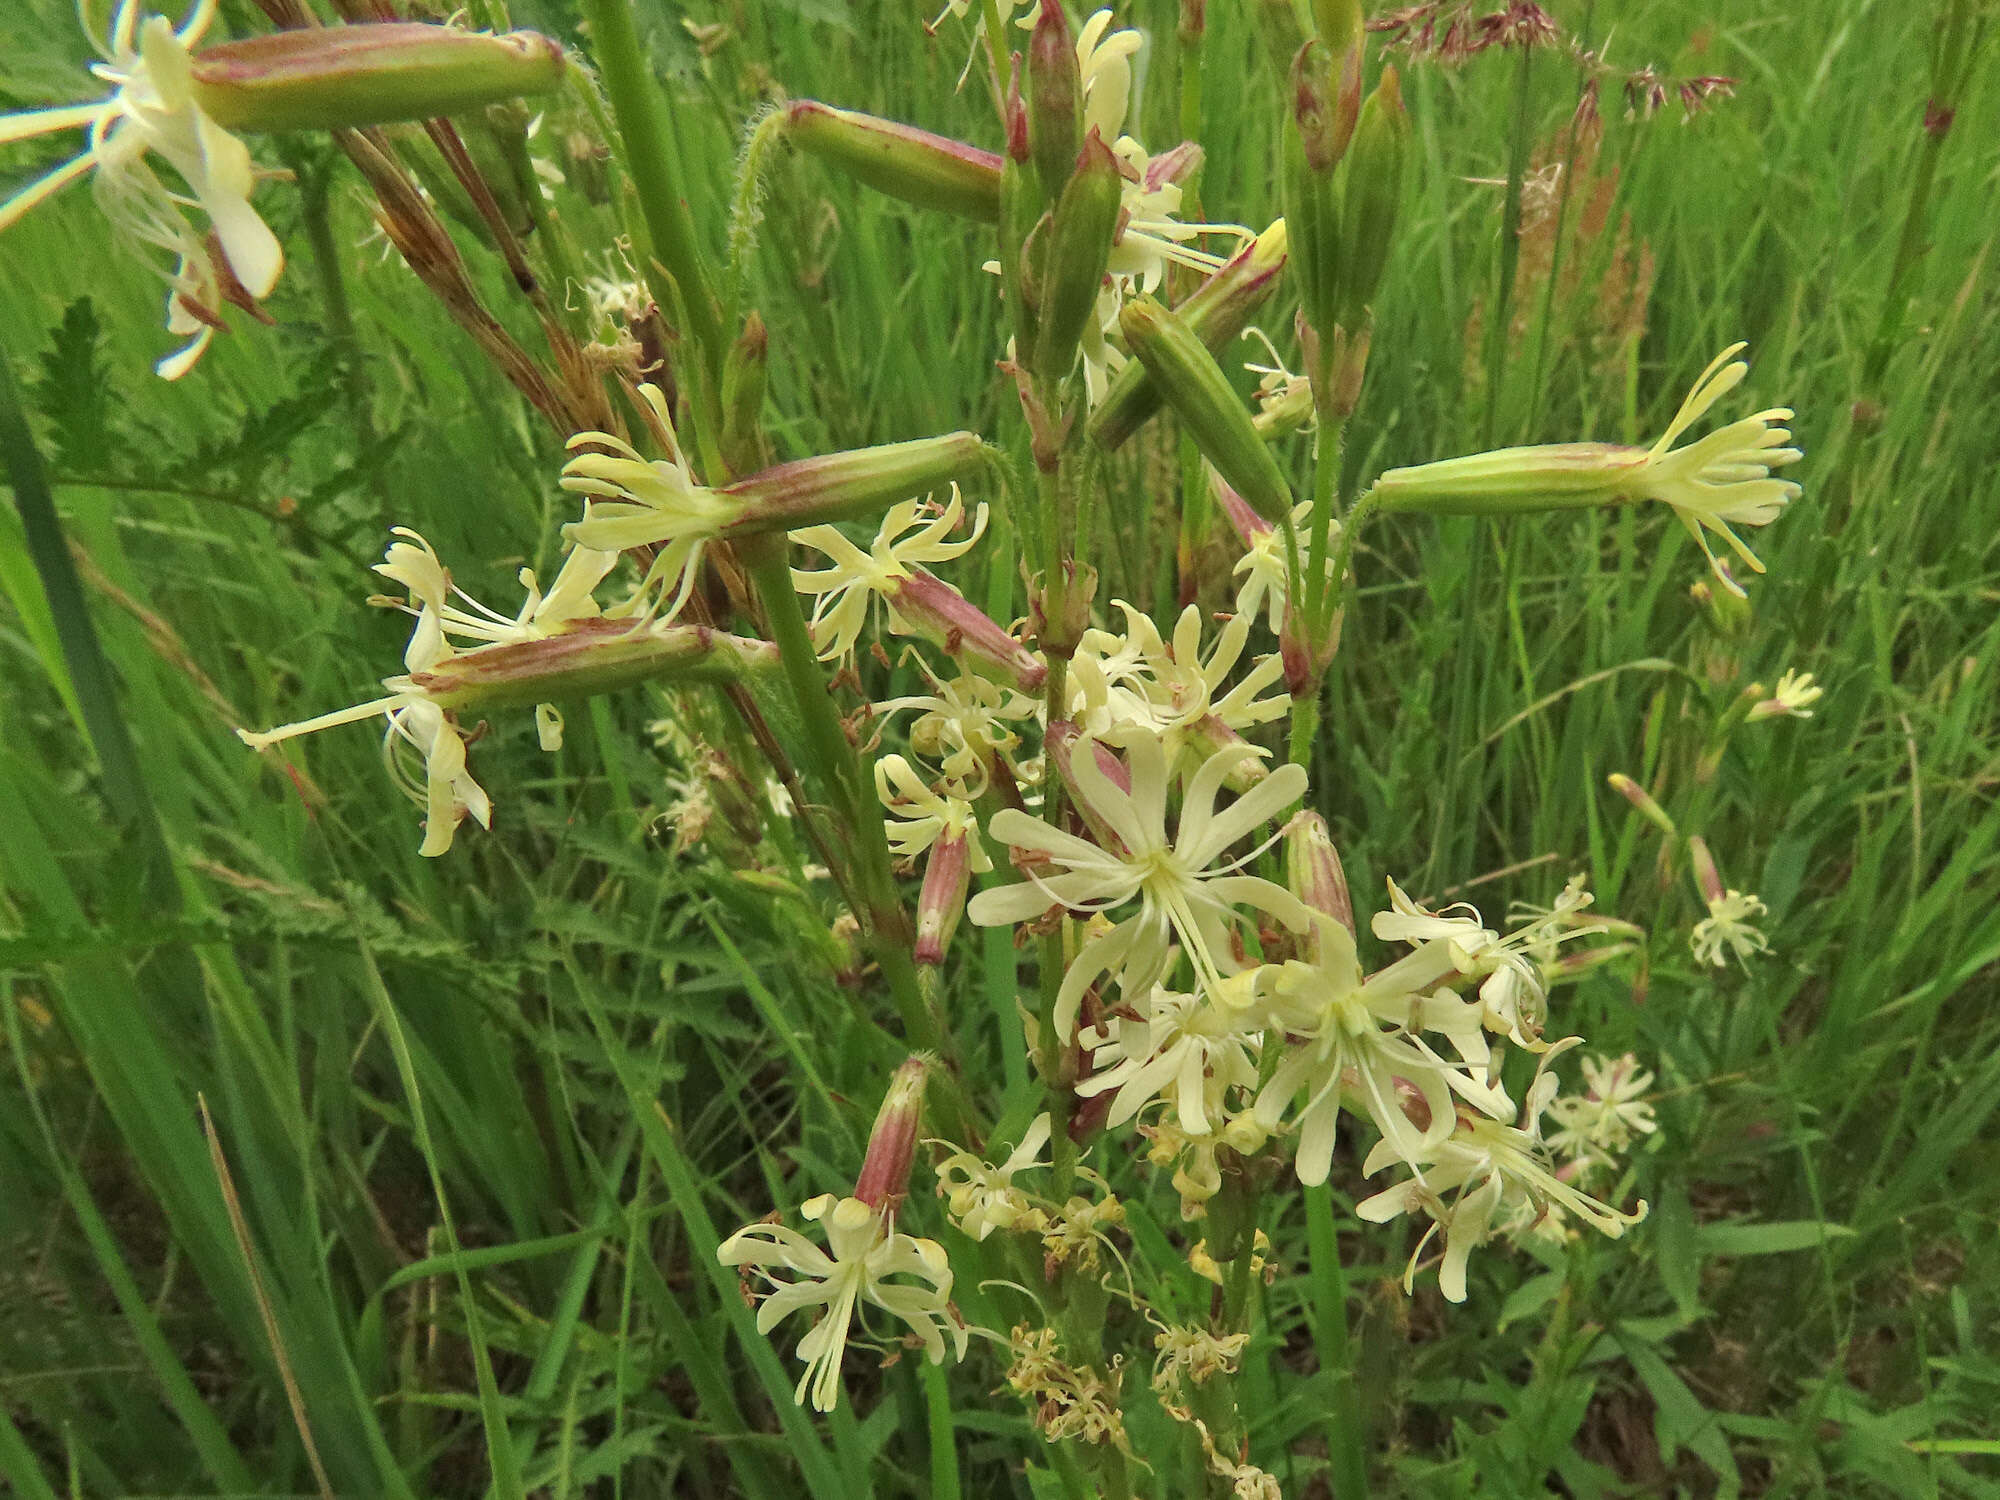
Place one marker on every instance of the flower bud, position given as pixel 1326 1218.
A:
pixel 1647 808
pixel 840 486
pixel 1208 736
pixel 330 77
pixel 1216 311
pixel 892 1144
pixel 1079 250
pixel 743 377
pixel 941 902
pixel 928 606
pixel 902 161
pixel 1373 196
pixel 591 656
pixel 1314 873
pixel 1055 100
pixel 1313 113
pixel 1200 394
pixel 1312 212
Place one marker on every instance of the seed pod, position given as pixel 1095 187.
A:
pixel 1055 100
pixel 841 486
pixel 330 77
pixel 1216 312
pixel 1079 250
pixel 931 171
pixel 1200 394
pixel 1373 196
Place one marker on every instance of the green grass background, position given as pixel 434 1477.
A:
pixel 485 1118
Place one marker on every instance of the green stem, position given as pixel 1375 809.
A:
pixel 651 160
pixel 885 922
pixel 1346 1443
pixel 89 672
pixel 1959 41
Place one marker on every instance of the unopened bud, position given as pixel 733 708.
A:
pixel 1637 795
pixel 1055 99
pixel 333 77
pixel 1374 196
pixel 941 902
pixel 1208 736
pixel 1079 250
pixel 1729 609
pixel 589 657
pixel 842 486
pixel 1200 394
pixel 931 171
pixel 1216 312
pixel 1313 871
pixel 1312 110
pixel 1307 654
pixel 1312 210
pixel 1016 117
pixel 892 1144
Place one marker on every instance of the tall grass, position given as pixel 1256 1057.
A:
pixel 478 1123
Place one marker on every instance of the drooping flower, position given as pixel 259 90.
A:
pixel 1599 1124
pixel 921 816
pixel 1184 896
pixel 1729 930
pixel 151 112
pixel 1489 1169
pixel 864 1256
pixel 845 590
pixel 962 723
pixel 982 1198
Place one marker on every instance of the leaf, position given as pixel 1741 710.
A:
pixel 1530 1297
pixel 1680 1420
pixel 75 392
pixel 1675 1249
pixel 1775 1238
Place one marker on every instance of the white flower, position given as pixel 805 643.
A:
pixel 1792 699
pixel 863 1251
pixel 982 1199
pixel 1139 686
pixel 962 723
pixel 1358 1042
pixel 1726 476
pixel 921 816
pixel 1265 570
pixel 1599 1124
pixel 1727 931
pixel 1182 1048
pixel 151 111
pixel 1491 1168
pixel 856 577
pixel 1181 898
pixel 637 502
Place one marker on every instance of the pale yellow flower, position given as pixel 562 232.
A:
pixel 863 1256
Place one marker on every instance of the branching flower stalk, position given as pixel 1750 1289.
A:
pixel 1212 1020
